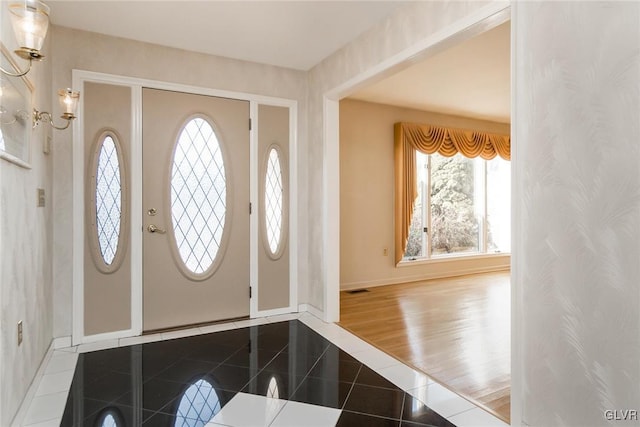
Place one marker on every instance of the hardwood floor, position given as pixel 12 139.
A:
pixel 456 330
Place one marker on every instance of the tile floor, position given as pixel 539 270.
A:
pixel 283 371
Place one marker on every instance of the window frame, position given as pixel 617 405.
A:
pixel 483 232
pixel 282 240
pixel 226 229
pixel 123 233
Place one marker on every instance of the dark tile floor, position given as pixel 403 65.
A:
pixel 187 381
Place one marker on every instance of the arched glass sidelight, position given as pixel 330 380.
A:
pixel 108 198
pixel 198 195
pixel 273 199
pixel 198 405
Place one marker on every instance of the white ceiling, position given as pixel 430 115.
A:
pixel 292 34
pixel 471 79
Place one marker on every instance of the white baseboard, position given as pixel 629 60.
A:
pixel 311 310
pixel 61 342
pixel 275 312
pixel 418 277
pixel 18 418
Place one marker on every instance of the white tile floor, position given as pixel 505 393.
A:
pixel 46 406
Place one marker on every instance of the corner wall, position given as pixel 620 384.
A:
pixel 367 197
pixel 25 249
pixel 75 49
pixel 576 124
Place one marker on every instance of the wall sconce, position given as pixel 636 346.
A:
pixel 68 102
pixel 30 21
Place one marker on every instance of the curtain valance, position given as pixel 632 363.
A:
pixel 449 141
pixel 428 139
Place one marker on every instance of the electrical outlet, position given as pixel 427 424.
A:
pixel 385 251
pixel 20 332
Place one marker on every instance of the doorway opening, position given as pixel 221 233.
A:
pixel 362 98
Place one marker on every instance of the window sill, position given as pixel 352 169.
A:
pixel 451 258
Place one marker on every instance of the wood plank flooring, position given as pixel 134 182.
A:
pixel 456 330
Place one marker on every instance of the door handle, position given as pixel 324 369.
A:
pixel 154 229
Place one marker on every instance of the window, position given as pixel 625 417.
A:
pixel 108 199
pixel 198 405
pixel 463 207
pixel 198 195
pixel 273 199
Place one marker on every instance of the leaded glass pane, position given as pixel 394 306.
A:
pixel 273 200
pixel 108 200
pixel 199 404
pixel 109 421
pixel 198 195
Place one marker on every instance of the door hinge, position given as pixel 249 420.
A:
pixel 426 230
pixel 250 208
pixel 249 124
pixel 249 291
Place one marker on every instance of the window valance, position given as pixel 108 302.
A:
pixel 428 139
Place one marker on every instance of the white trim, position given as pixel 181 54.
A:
pixel 311 310
pixel 275 312
pixel 452 258
pixel 517 363
pixel 136 217
pixel 79 77
pixel 331 209
pixel 108 336
pixel 292 105
pixel 77 315
pixel 293 206
pixel 419 277
pixel 255 211
pixel 62 342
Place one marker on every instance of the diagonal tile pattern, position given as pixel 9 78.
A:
pixel 278 374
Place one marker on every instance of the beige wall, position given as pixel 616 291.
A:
pixel 366 197
pixel 75 49
pixel 25 249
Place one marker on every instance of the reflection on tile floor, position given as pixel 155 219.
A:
pixel 273 374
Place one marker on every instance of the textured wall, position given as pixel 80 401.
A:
pixel 25 251
pixel 74 49
pixel 577 136
pixel 366 197
pixel 406 26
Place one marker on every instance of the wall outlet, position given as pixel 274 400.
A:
pixel 20 332
pixel 385 251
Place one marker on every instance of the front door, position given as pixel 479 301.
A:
pixel 196 209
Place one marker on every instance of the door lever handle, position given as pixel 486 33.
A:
pixel 154 229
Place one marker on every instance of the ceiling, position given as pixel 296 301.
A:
pixel 471 79
pixel 292 34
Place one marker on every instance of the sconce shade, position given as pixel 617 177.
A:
pixel 68 102
pixel 30 21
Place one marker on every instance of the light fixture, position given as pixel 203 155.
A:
pixel 68 102
pixel 30 21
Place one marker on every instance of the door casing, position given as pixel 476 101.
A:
pixel 79 77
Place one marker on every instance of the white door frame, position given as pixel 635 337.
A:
pixel 79 77
pixel 483 20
